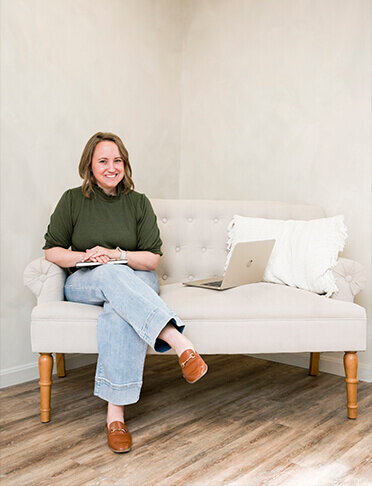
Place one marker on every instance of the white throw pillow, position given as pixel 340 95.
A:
pixel 304 252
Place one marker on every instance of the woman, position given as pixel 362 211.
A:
pixel 103 220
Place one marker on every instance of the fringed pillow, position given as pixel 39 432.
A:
pixel 304 252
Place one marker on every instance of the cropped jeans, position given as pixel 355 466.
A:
pixel 132 318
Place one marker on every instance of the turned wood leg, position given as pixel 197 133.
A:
pixel 351 370
pixel 314 364
pixel 60 360
pixel 45 370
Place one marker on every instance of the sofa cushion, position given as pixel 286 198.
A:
pixel 260 301
pixel 255 318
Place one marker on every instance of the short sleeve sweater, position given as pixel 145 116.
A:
pixel 124 220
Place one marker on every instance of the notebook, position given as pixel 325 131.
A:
pixel 247 265
pixel 96 264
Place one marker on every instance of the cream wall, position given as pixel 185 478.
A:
pixel 241 99
pixel 70 68
pixel 280 93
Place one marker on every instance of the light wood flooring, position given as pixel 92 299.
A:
pixel 247 422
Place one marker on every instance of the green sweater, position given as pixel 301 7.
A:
pixel 124 220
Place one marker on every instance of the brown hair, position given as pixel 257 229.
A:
pixel 85 166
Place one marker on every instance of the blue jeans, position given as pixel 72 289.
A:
pixel 132 318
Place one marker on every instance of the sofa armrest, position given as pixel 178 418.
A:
pixel 350 279
pixel 45 279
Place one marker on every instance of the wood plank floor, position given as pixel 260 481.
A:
pixel 247 422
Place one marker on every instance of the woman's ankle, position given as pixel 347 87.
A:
pixel 180 348
pixel 115 413
pixel 180 343
pixel 176 340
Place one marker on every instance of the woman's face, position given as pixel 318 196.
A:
pixel 107 166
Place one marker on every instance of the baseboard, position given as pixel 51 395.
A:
pixel 329 363
pixel 30 371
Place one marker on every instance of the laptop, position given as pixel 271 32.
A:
pixel 247 265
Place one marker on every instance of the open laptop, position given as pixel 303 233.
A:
pixel 247 265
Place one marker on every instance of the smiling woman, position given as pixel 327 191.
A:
pixel 105 161
pixel 103 220
pixel 107 166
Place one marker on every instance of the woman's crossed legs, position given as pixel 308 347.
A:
pixel 133 317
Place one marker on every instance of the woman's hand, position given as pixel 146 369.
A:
pixel 101 255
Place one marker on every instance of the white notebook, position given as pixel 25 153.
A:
pixel 96 264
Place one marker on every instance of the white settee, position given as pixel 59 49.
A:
pixel 251 319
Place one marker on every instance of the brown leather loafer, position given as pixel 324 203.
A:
pixel 192 365
pixel 118 437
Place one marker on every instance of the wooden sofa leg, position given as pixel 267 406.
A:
pixel 314 364
pixel 45 370
pixel 351 370
pixel 60 360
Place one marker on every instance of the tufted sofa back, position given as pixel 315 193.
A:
pixel 194 232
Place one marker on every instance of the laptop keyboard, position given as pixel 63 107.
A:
pixel 214 284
